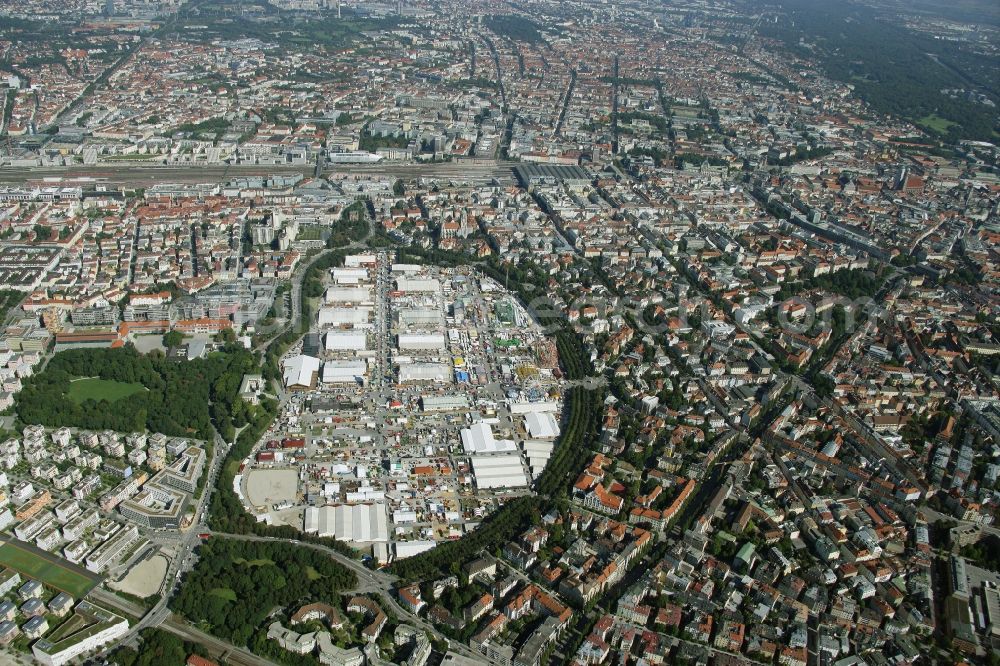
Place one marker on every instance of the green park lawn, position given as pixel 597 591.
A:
pixel 936 123
pixel 223 593
pixel 93 388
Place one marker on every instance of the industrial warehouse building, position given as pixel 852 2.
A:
pixel 300 372
pixel 528 407
pixel 425 372
pixel 444 403
pixel 572 176
pixel 537 453
pixel 346 341
pixel 410 548
pixel 479 439
pixel 355 316
pixel 345 372
pixel 500 470
pixel 349 275
pixel 417 285
pixel 421 341
pixel 419 317
pixel 356 295
pixel 358 522
pixel 541 425
pixel 359 260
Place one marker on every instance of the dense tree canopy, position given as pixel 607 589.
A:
pixel 183 398
pixel 855 283
pixel 515 27
pixel 237 584
pixel 896 70
pixel 158 647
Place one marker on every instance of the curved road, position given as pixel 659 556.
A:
pixel 378 582
pixel 369 582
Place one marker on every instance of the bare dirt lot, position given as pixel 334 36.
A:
pixel 145 578
pixel 270 486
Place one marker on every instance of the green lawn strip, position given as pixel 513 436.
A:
pixel 223 593
pixel 49 573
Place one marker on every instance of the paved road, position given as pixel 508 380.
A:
pixel 379 582
pixel 180 562
pixel 296 295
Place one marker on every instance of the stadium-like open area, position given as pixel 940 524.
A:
pixel 271 486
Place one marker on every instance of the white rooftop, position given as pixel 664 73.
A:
pixel 541 425
pixel 479 439
pixel 299 370
pixel 359 522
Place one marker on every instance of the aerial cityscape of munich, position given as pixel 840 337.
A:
pixel 500 332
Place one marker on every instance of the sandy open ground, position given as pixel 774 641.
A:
pixel 145 578
pixel 147 343
pixel 270 486
pixel 291 517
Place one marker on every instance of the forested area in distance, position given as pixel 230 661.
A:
pixel 891 67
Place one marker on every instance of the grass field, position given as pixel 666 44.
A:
pixel 30 565
pixel 310 232
pixel 101 389
pixel 223 593
pixel 936 123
